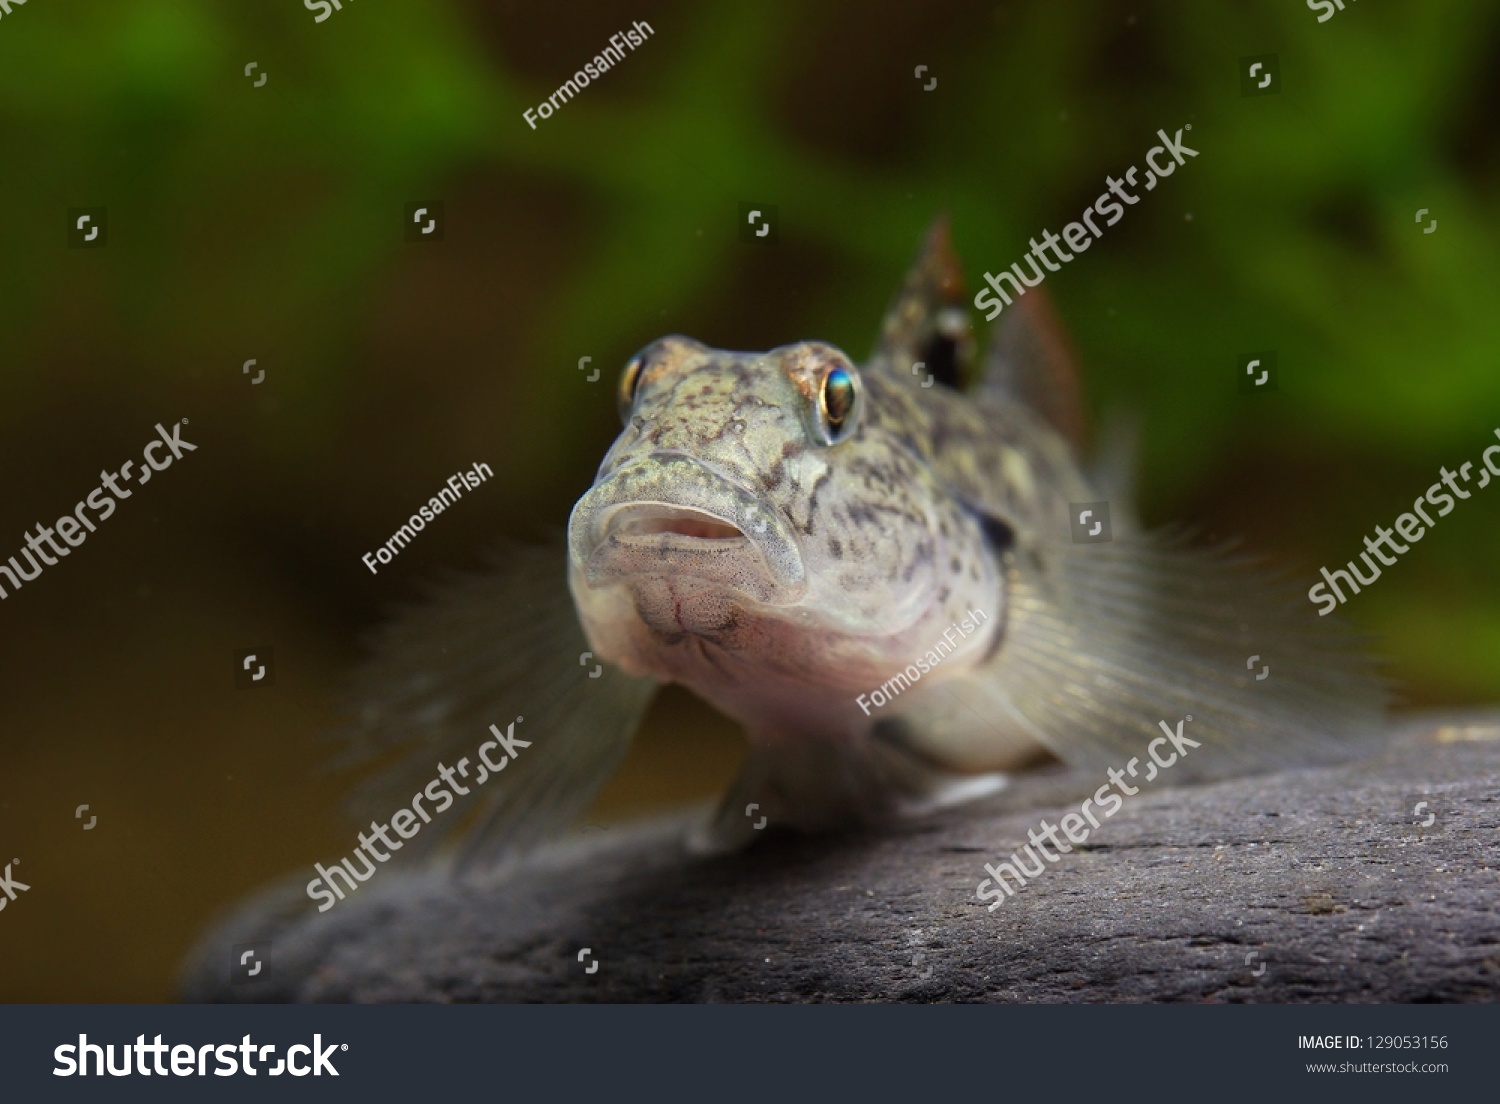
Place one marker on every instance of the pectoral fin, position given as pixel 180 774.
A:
pixel 817 785
pixel 1106 642
pixel 485 650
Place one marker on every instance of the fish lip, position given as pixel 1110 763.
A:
pixel 613 531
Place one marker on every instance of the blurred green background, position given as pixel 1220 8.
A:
pixel 267 223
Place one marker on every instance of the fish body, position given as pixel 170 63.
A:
pixel 876 569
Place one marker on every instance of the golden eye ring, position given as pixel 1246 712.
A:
pixel 838 400
pixel 630 381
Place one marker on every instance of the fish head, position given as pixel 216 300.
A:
pixel 763 527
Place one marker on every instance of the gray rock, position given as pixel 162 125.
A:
pixel 1318 885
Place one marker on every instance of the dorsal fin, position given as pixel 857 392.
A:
pixel 928 322
pixel 1031 362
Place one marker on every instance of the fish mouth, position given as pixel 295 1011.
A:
pixel 670 515
pixel 645 520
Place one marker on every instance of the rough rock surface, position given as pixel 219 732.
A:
pixel 1319 885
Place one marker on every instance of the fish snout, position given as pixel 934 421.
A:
pixel 673 515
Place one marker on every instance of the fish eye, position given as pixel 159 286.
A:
pixel 836 400
pixel 630 379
